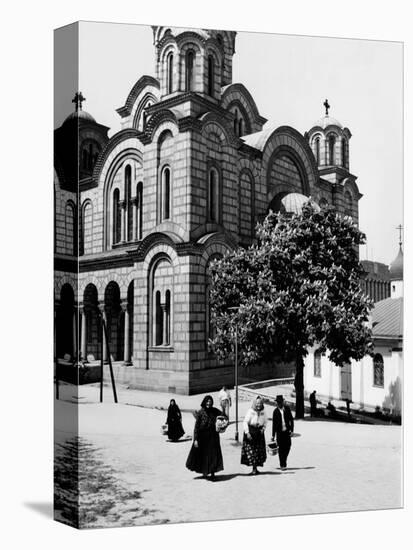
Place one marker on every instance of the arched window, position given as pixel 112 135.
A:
pixel 317 150
pixel 167 318
pixel 86 224
pixel 331 149
pixel 344 152
pixel 128 199
pixel 378 371
pixel 240 127
pixel 70 229
pixel 236 122
pixel 166 194
pixel 317 364
pixel 170 73
pixel 158 320
pixel 139 192
pixel 116 220
pixel 189 71
pixel 213 195
pixel 211 75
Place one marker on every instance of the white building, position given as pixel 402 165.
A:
pixel 375 382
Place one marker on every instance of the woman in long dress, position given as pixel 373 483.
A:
pixel 205 456
pixel 174 422
pixel 253 452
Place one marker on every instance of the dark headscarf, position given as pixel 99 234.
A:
pixel 205 399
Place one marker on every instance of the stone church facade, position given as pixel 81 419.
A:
pixel 139 216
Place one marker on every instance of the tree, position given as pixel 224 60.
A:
pixel 298 286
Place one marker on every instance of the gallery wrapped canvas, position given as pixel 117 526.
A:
pixel 228 275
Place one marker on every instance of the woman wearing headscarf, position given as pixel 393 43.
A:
pixel 174 422
pixel 253 452
pixel 205 456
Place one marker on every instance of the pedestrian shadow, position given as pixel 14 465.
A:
pixel 295 434
pixel 42 508
pixel 182 440
pixel 303 468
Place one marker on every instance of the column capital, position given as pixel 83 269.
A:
pixel 122 203
pixel 124 304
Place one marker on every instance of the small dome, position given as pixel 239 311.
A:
pixel 293 203
pixel 79 115
pixel 396 267
pixel 327 120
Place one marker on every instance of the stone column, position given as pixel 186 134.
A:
pixel 126 342
pixel 123 224
pixel 83 336
pixel 103 314
pixel 165 327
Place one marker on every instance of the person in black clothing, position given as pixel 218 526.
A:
pixel 174 422
pixel 282 427
pixel 313 404
pixel 205 456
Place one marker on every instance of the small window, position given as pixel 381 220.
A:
pixel 170 73
pixel 128 205
pixel 378 371
pixel 139 211
pixel 189 71
pixel 317 150
pixel 317 364
pixel 158 320
pixel 166 194
pixel 344 153
pixel 116 212
pixel 331 149
pixel 213 191
pixel 211 75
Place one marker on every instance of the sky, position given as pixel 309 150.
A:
pixel 289 78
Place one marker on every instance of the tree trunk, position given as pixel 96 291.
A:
pixel 299 387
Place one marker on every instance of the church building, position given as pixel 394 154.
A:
pixel 139 216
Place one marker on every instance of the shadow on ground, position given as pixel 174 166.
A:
pixel 43 508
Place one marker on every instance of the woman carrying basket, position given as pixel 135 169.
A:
pixel 205 456
pixel 253 452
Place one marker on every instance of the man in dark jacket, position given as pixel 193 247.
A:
pixel 283 427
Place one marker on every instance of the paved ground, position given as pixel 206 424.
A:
pixel 332 467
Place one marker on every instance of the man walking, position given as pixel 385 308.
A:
pixel 225 400
pixel 283 427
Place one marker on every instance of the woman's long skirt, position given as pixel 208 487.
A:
pixel 253 451
pixel 207 457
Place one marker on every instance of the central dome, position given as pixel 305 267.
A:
pixel 79 115
pixel 293 203
pixel 327 120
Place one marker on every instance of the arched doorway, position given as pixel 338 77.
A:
pixel 114 318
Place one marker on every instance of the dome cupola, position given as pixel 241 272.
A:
pixel 329 141
pixel 193 60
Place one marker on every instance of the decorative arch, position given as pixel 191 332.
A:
pixel 123 158
pixel 86 228
pixel 139 119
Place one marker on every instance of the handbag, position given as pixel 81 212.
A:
pixel 221 424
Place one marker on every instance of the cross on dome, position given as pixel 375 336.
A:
pixel 327 106
pixel 78 100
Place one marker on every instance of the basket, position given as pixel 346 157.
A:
pixel 164 429
pixel 272 448
pixel 221 424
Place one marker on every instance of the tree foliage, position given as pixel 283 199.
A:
pixel 296 287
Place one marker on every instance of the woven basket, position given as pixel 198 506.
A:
pixel 164 429
pixel 272 448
